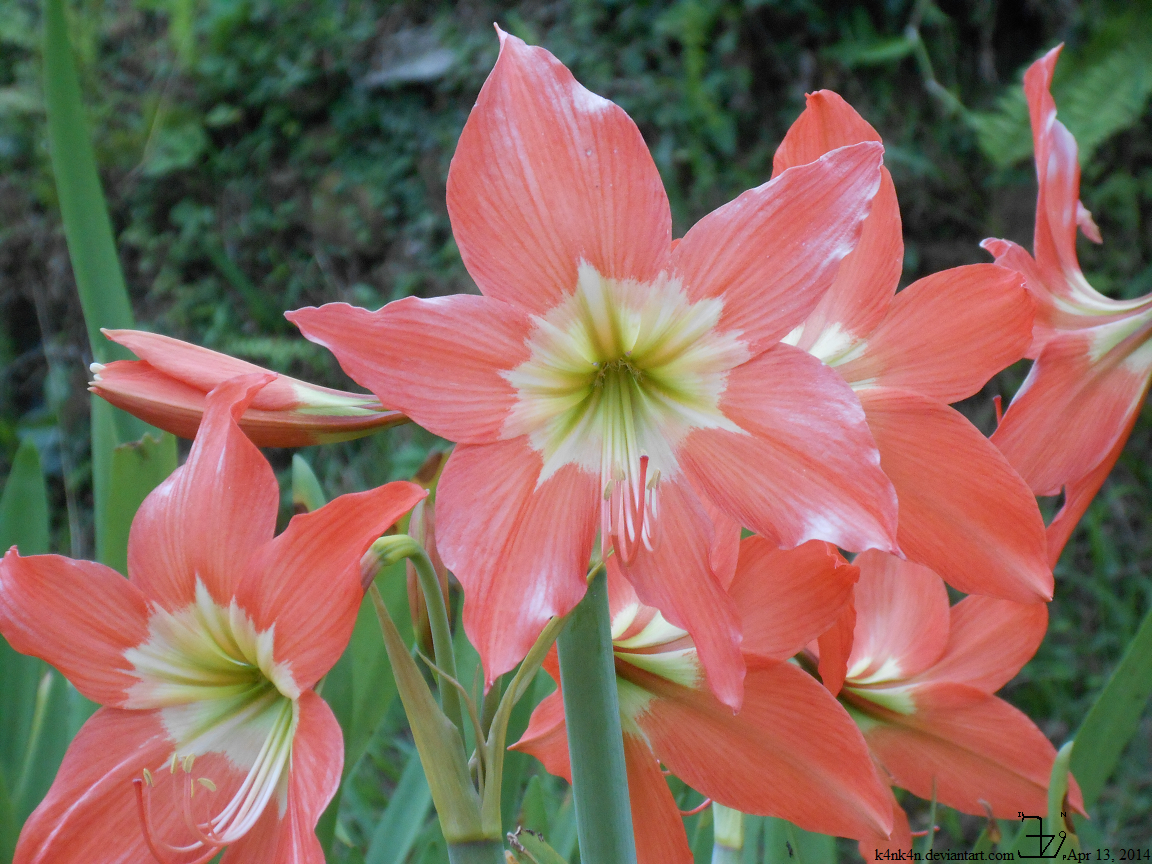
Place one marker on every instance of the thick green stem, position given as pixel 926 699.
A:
pixel 595 739
pixel 441 631
pixel 480 852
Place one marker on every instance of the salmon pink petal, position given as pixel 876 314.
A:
pixel 546 737
pixel 804 467
pixel 772 252
pixel 864 284
pixel 787 598
pixel 79 616
pixel 945 335
pixel 547 174
pixel 963 511
pixel 207 519
pixel 835 646
pixel 976 747
pixel 867 278
pixel 1044 325
pixel 791 752
pixel 90 812
pixel 677 579
pixel 518 543
pixel 306 582
pixel 317 760
pixel 1078 494
pixel 1075 405
pixel 440 361
pixel 826 123
pixel 1058 176
pixel 901 619
pixel 656 821
pixel 989 640
pixel 726 533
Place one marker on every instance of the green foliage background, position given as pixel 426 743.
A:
pixel 260 155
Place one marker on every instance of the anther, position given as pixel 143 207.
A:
pixel 148 777
pixel 188 760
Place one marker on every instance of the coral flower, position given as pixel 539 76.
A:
pixel 211 735
pixel 1068 423
pixel 920 681
pixel 791 752
pixel 963 511
pixel 167 387
pixel 608 380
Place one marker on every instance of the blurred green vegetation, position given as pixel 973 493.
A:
pixel 260 155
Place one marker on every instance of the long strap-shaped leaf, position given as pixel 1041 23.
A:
pixel 1115 716
pixel 103 297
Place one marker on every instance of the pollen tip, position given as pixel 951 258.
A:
pixel 188 762
pixel 206 783
pixel 148 777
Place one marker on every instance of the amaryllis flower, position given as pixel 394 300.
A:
pixel 608 380
pixel 168 385
pixel 1068 423
pixel 920 681
pixel 790 752
pixel 963 510
pixel 204 659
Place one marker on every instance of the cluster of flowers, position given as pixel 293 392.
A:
pixel 712 418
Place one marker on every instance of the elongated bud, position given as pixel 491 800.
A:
pixel 168 385
pixel 422 528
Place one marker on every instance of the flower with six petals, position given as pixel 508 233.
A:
pixel 1068 423
pixel 609 380
pixel 204 661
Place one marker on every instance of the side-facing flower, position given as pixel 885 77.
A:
pixel 1068 423
pixel 963 511
pixel 169 384
pixel 609 380
pixel 204 660
pixel 790 752
pixel 920 681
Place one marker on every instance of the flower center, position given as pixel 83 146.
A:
pixel 619 374
pixel 222 699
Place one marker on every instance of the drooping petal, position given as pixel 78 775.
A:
pixel 864 284
pixel 520 548
pixel 867 278
pixel 546 737
pixel 977 747
pixel 989 640
pixel 289 837
pixel 772 252
pixel 306 583
pixel 805 467
pixel 835 645
pixel 656 822
pixel 726 533
pixel 791 752
pixel 1078 494
pixel 439 360
pixel 963 511
pixel 945 335
pixel 90 812
pixel 901 619
pixel 547 174
pixel 787 598
pixel 678 580
pixel 826 123
pixel 79 616
pixel 1075 404
pixel 208 518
